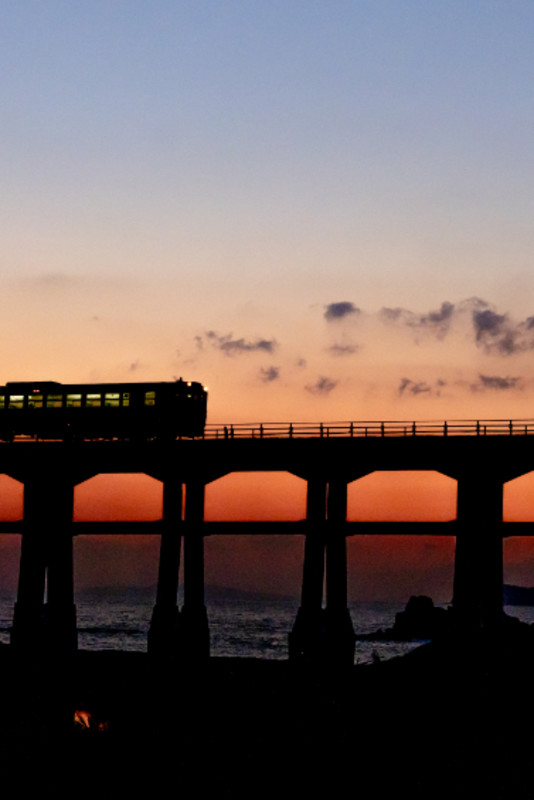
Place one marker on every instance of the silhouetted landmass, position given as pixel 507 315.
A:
pixel 422 620
pixel 518 595
pixel 444 721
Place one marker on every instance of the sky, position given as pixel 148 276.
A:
pixel 320 210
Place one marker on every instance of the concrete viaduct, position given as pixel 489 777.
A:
pixel 481 460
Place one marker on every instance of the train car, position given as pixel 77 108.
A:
pixel 51 410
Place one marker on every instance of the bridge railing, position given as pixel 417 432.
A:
pixel 370 428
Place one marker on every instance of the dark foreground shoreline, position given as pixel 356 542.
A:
pixel 446 721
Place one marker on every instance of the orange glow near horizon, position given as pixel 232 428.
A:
pixel 122 496
pixel 253 496
pixel 11 498
pixel 519 499
pixel 379 567
pixel 402 495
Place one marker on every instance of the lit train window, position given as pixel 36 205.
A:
pixel 126 398
pixel 16 401
pixel 93 400
pixel 2 400
pixel 74 400
pixel 112 399
pixel 54 401
pixel 35 401
pixel 150 398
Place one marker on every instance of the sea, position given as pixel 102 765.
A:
pixel 242 625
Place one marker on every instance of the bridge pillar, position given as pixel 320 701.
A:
pixel 305 640
pixel 478 569
pixel 164 632
pixel 340 638
pixel 196 635
pixel 46 557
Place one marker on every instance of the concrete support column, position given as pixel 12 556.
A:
pixel 478 571
pixel 194 616
pixel 306 636
pixel 339 630
pixel 60 609
pixel 164 633
pixel 46 560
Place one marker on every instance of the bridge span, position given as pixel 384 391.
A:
pixel 480 455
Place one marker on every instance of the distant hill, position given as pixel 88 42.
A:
pixel 518 595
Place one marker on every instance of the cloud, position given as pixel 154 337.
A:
pixel 408 386
pixel 343 349
pixel 61 282
pixel 322 386
pixel 413 387
pixel 497 333
pixel 496 383
pixel 439 319
pixel 340 310
pixel 269 374
pixel 231 346
pixel 436 322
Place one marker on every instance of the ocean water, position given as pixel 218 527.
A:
pixel 241 625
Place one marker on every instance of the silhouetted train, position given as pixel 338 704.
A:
pixel 51 410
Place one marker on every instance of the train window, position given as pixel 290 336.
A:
pixel 74 400
pixel 112 399
pixel 93 400
pixel 2 401
pixel 16 401
pixel 126 398
pixel 150 398
pixel 35 401
pixel 54 400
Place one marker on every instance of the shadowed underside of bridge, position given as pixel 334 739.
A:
pixel 480 464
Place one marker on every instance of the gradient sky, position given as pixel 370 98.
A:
pixel 321 210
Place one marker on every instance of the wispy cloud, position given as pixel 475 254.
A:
pixel 269 374
pixel 343 349
pixel 322 386
pixel 231 346
pixel 496 383
pixel 409 386
pixel 437 322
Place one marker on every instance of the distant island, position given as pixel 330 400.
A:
pixel 518 595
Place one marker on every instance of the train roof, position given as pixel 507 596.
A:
pixel 47 386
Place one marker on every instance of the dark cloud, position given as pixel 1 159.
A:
pixel 436 322
pixel 496 383
pixel 494 332
pixel 438 319
pixel 269 374
pixel 343 349
pixel 408 386
pixel 230 346
pixel 413 387
pixel 340 310
pixel 497 333
pixel 322 386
